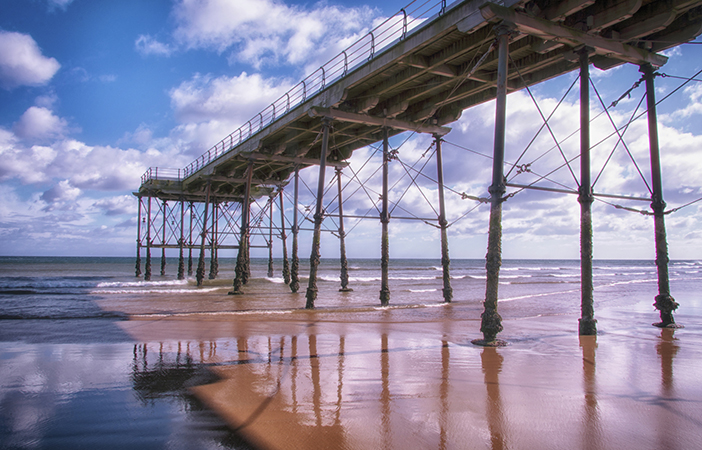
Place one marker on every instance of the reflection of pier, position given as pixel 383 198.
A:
pixel 390 386
pixel 416 73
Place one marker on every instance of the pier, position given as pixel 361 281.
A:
pixel 414 73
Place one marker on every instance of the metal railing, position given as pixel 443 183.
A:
pixel 393 29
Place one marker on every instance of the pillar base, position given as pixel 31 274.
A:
pixel 311 297
pixel 489 343
pixel 384 297
pixel 448 294
pixel 587 327
pixel 236 292
pixel 668 325
pixel 348 289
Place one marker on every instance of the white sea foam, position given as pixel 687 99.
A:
pixel 423 290
pixel 142 283
pixel 521 297
pixel 154 291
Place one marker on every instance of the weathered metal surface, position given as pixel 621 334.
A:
pixel 384 220
pixel 344 274
pixel 664 302
pixel 443 224
pixel 283 239
pixel 491 321
pixel 587 325
pixel 318 217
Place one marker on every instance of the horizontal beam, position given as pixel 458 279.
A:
pixel 344 116
pixel 550 31
pixel 294 160
pixel 570 191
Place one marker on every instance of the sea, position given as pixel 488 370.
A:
pixel 72 377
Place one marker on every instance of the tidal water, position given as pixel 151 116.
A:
pixel 72 377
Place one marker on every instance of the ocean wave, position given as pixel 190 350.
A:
pixel 422 290
pixel 521 297
pixel 142 283
pixel 66 316
pixel 156 291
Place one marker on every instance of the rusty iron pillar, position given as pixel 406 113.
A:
pixel 491 322
pixel 163 238
pixel 181 242
pixel 384 220
pixel 147 269
pixel 240 276
pixel 270 235
pixel 443 224
pixel 587 323
pixel 295 267
pixel 190 242
pixel 283 238
pixel 137 268
pixel 214 242
pixel 200 272
pixel 344 276
pixel 665 303
pixel 318 217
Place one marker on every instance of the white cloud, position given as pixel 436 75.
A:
pixel 233 99
pixel 22 63
pixel 39 124
pixel 146 45
pixel 61 4
pixel 266 31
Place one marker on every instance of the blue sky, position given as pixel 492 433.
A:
pixel 93 92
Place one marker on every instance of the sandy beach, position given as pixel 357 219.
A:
pixel 179 367
pixel 324 380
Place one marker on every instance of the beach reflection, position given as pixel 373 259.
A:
pixel 591 429
pixel 492 366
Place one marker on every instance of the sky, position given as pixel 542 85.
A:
pixel 94 92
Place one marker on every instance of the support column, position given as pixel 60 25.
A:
pixel 181 242
pixel 491 323
pixel 270 236
pixel 384 219
pixel 214 262
pixel 147 269
pixel 587 324
pixel 190 242
pixel 283 238
pixel 138 252
pixel 445 261
pixel 665 303
pixel 294 280
pixel 200 273
pixel 163 239
pixel 318 217
pixel 241 277
pixel 342 238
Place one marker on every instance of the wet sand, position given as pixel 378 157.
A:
pixel 361 378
